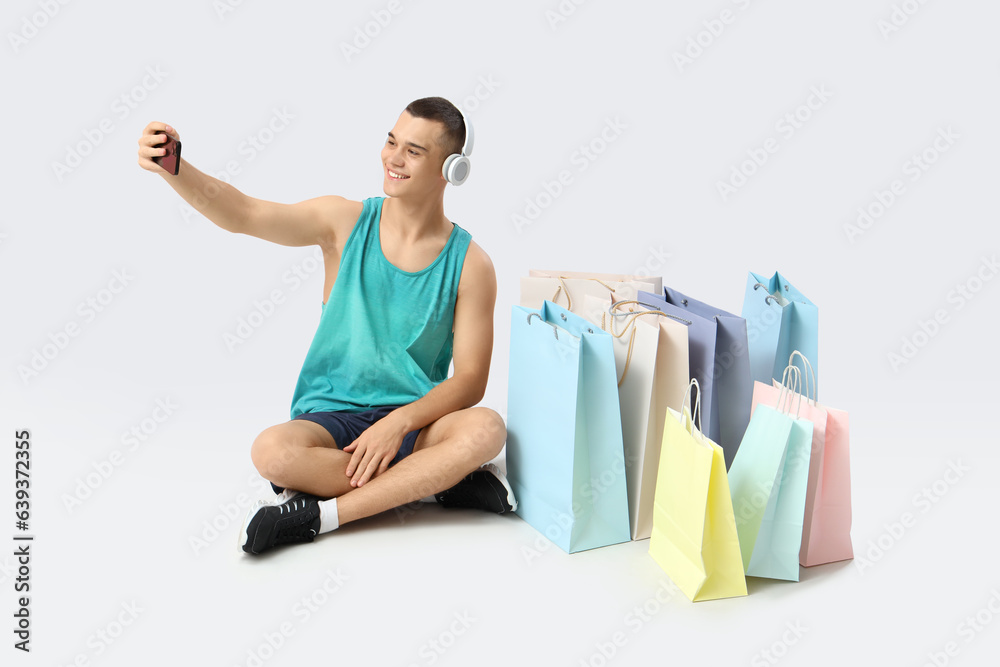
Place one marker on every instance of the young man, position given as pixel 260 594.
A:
pixel 376 423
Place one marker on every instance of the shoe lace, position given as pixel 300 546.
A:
pixel 296 526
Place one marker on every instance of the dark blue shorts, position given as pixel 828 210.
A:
pixel 345 427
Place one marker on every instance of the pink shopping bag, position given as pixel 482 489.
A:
pixel 826 526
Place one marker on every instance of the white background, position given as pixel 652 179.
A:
pixel 537 90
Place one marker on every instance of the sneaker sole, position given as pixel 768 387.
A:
pixel 511 500
pixel 243 539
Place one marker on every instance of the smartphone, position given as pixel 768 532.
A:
pixel 171 161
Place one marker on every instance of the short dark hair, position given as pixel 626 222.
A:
pixel 441 110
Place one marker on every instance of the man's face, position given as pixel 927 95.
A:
pixel 412 156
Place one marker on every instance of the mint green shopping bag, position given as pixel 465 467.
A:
pixel 768 482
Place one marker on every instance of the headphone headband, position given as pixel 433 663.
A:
pixel 470 136
pixel 456 166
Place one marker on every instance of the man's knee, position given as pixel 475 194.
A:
pixel 274 448
pixel 267 450
pixel 487 432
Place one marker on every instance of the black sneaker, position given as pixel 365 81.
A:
pixel 483 489
pixel 295 520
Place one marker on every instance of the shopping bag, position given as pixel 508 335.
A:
pixel 565 460
pixel 768 481
pixel 826 527
pixel 655 281
pixel 651 358
pixel 719 361
pixel 732 385
pixel 694 535
pixel 780 319
pixel 570 290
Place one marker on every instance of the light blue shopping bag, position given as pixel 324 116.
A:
pixel 565 457
pixel 780 319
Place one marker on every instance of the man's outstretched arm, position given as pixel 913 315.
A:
pixel 472 351
pixel 317 221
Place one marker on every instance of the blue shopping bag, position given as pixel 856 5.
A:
pixel 565 456
pixel 719 360
pixel 780 320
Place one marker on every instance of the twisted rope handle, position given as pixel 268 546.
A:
pixel 652 311
pixel 629 324
pixel 569 301
pixel 555 329
pixel 765 288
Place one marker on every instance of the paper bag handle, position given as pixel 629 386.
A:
pixel 653 311
pixel 812 372
pixel 569 301
pixel 765 289
pixel 555 329
pixel 791 382
pixel 630 324
pixel 696 410
pixel 628 355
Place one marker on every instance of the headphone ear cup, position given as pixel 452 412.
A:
pixel 456 169
pixel 447 165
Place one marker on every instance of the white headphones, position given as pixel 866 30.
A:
pixel 456 166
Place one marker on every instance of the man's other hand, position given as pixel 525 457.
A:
pixel 373 450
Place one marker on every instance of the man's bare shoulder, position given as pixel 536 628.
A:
pixel 478 273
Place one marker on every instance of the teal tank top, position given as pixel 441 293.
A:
pixel 384 335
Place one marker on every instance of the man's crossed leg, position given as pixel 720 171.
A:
pixel 303 457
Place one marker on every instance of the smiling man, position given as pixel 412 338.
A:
pixel 376 422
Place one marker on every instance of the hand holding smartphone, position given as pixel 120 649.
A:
pixel 171 160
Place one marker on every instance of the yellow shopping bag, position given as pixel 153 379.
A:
pixel 694 535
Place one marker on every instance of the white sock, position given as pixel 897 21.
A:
pixel 328 517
